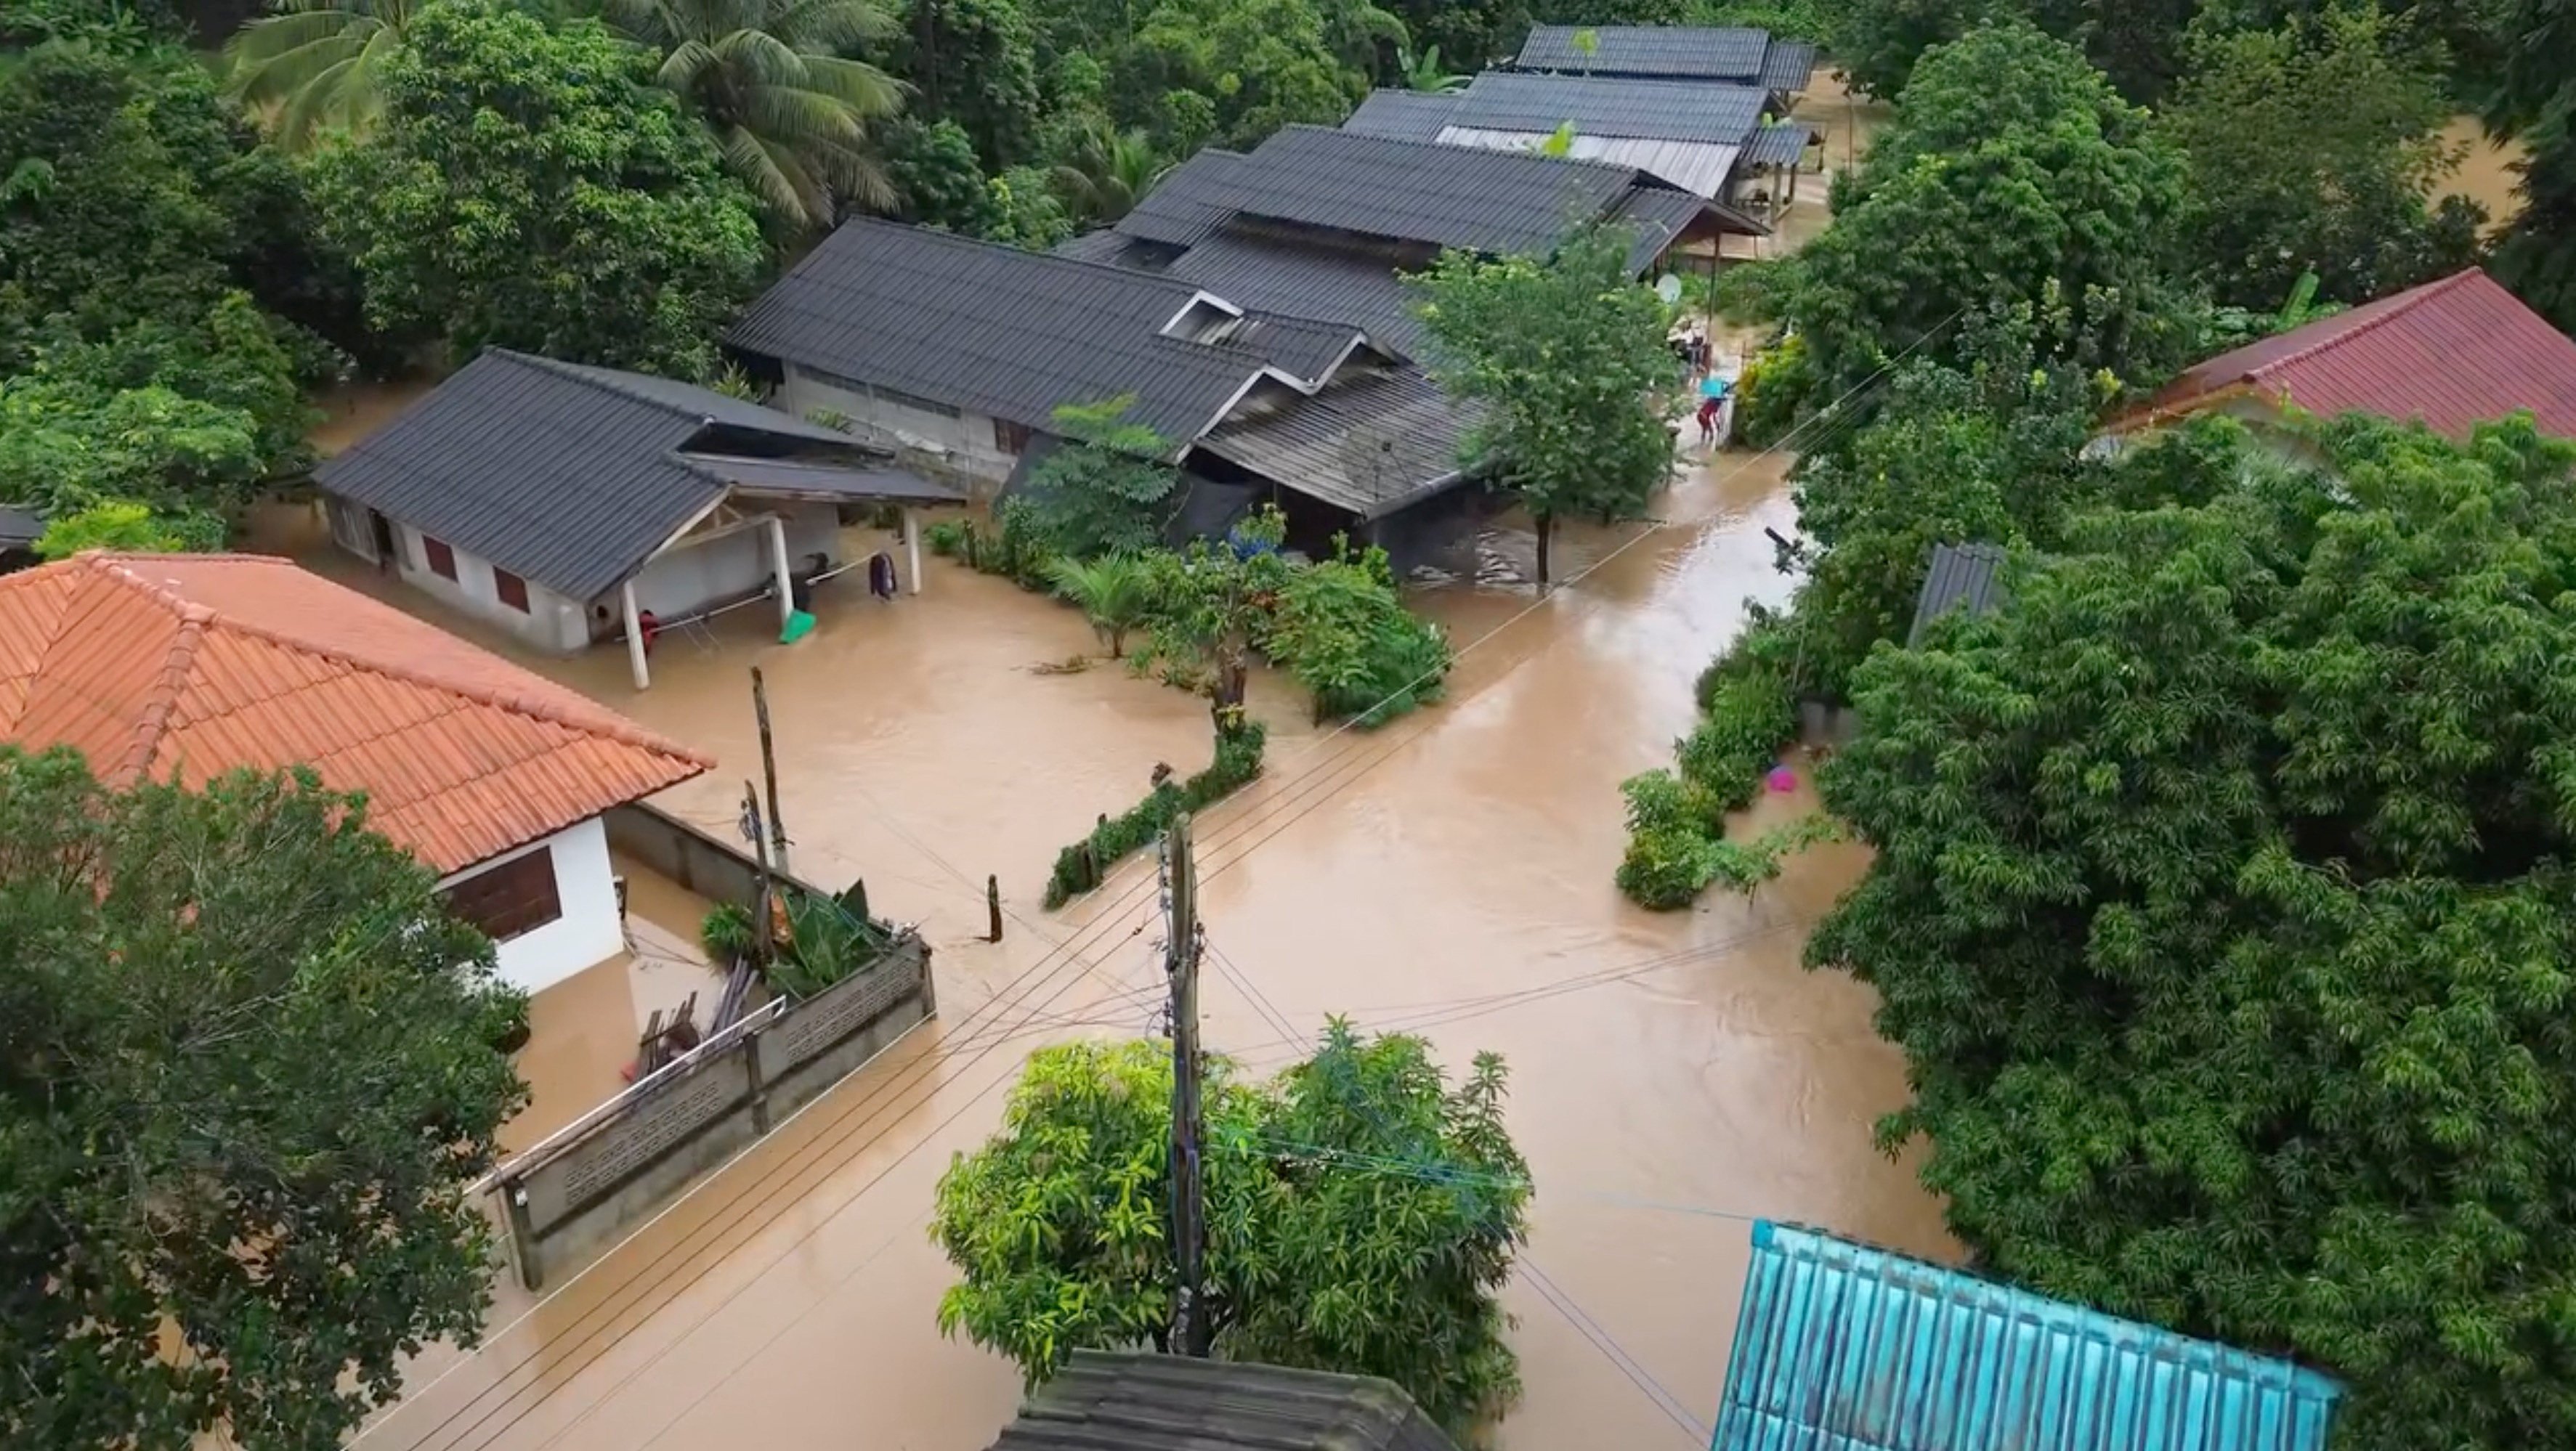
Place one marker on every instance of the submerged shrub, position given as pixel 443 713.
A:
pixel 1080 867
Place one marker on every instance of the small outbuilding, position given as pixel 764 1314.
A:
pixel 1959 577
pixel 571 505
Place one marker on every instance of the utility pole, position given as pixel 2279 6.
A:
pixel 763 919
pixel 769 770
pixel 1181 966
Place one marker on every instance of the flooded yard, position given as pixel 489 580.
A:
pixel 1448 875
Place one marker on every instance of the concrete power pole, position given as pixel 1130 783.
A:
pixel 1190 1331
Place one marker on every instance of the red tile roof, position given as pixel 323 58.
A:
pixel 185 666
pixel 2451 353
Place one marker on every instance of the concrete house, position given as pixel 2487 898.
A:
pixel 182 667
pixel 566 503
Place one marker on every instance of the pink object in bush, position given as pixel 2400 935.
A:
pixel 1783 779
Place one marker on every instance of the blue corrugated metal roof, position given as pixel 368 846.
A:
pixel 1843 1347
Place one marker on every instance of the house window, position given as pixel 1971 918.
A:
pixel 512 589
pixel 1011 438
pixel 514 898
pixel 442 560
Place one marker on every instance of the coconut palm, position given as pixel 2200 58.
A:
pixel 314 63
pixel 771 80
pixel 1424 72
pixel 1107 173
pixel 1115 591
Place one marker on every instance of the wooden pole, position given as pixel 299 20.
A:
pixel 993 906
pixel 1190 1330
pixel 769 769
pixel 761 936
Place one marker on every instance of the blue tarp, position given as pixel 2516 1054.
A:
pixel 1853 1348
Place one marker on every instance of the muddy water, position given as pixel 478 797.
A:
pixel 1450 875
pixel 2486 171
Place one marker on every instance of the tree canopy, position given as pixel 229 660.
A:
pixel 2221 905
pixel 1362 1214
pixel 526 186
pixel 247 1068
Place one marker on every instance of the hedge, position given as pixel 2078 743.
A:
pixel 1080 867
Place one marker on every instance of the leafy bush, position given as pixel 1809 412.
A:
pixel 1774 390
pixel 125 525
pixel 1749 718
pixel 1341 630
pixel 1079 868
pixel 1115 593
pixel 1106 489
pixel 947 538
pixel 1676 846
pixel 1677 818
pixel 828 939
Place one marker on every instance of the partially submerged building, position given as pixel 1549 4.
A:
pixel 1844 1344
pixel 566 503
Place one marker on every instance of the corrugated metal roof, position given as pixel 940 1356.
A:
pixel 1610 106
pixel 1699 168
pixel 1788 68
pixel 1781 145
pixel 2451 353
pixel 17 526
pixel 1372 444
pixel 1015 334
pixel 1358 286
pixel 1700 52
pixel 1966 576
pixel 1405 115
pixel 1140 1402
pixel 781 478
pixel 185 666
pixel 1847 1346
pixel 1190 201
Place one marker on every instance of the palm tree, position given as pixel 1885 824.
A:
pixel 1107 174
pixel 1424 73
pixel 770 79
pixel 1115 591
pixel 314 63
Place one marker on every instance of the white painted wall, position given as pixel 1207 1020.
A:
pixel 731 566
pixel 552 622
pixel 587 934
pixel 966 441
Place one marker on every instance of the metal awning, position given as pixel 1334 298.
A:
pixel 824 482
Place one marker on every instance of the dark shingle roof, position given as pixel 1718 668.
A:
pixel 1780 145
pixel 1371 445
pixel 18 527
pixel 1357 286
pixel 1789 68
pixel 1414 191
pixel 1611 106
pixel 1405 115
pixel 1962 576
pixel 563 474
pixel 1015 334
pixel 1139 1402
pixel 1714 53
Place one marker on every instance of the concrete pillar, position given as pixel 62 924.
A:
pixel 912 548
pixel 634 637
pixel 778 570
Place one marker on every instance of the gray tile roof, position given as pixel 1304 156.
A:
pixel 1789 68
pixel 1359 286
pixel 1713 53
pixel 18 527
pixel 1719 115
pixel 566 475
pixel 1405 115
pixel 1014 334
pixel 1371 444
pixel 1140 1402
pixel 1192 200
pixel 1780 145
pixel 789 478
pixel 1965 576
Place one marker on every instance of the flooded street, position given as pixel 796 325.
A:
pixel 1449 875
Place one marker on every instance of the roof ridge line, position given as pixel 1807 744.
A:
pixel 2402 303
pixel 1594 163
pixel 615 728
pixel 588 375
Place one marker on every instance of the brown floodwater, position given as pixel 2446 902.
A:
pixel 1450 874
pixel 2485 173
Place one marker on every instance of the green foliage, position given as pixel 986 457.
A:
pixel 1026 213
pixel 2314 148
pixel 1341 630
pixel 826 942
pixel 1425 73
pixel 2014 183
pixel 317 63
pixel 934 176
pixel 1115 592
pixel 972 63
pixel 1105 173
pixel 1878 42
pixel 1107 488
pixel 1212 604
pixel 2534 99
pixel 1253 65
pixel 1362 1215
pixel 1677 819
pixel 130 528
pixel 2221 905
pixel 1080 867
pixel 251 1070
pixel 729 932
pixel 1565 353
pixel 526 187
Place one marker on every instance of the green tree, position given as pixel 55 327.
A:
pixel 1425 73
pixel 1362 1215
pixel 1253 65
pixel 2013 183
pixel 2315 148
pixel 1026 212
pixel 1877 42
pixel 317 63
pixel 1212 602
pixel 2221 904
pixel 1115 592
pixel 526 187
pixel 247 1070
pixel 1107 488
pixel 1107 172
pixel 786 109
pixel 2535 100
pixel 1564 354
pixel 1342 632
pixel 973 62
pixel 128 528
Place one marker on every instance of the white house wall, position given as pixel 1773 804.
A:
pixel 965 442
pixel 587 933
pixel 551 622
pixel 732 566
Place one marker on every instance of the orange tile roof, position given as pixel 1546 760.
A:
pixel 185 666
